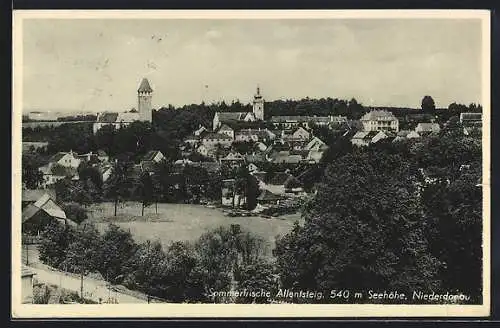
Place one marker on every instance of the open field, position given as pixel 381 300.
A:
pixel 179 222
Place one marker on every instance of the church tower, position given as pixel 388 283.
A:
pixel 258 105
pixel 144 96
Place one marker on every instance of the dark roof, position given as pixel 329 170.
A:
pixel 145 87
pixel 150 155
pixel 29 211
pixel 107 117
pixel 255 158
pixel 232 116
pixel 216 136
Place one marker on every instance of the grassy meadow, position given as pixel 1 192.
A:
pixel 179 222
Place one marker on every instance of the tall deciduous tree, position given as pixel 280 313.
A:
pixel 146 269
pixel 145 190
pixel 428 104
pixel 363 230
pixel 119 184
pixel 81 255
pixel 32 177
pixel 116 249
pixel 54 243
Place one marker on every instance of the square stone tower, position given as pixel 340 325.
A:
pixel 144 96
pixel 258 105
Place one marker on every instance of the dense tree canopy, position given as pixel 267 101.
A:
pixel 363 230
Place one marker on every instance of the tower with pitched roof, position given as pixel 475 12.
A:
pixel 144 96
pixel 258 105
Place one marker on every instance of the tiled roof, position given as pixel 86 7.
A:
pixel 232 116
pixel 297 118
pixel 378 115
pixel 217 136
pixel 428 126
pixel 107 117
pixel 145 87
pixel 128 117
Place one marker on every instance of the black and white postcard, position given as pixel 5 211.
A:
pixel 251 164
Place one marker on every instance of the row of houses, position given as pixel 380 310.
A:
pixel 365 138
pixel 293 145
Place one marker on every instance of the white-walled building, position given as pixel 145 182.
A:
pixel 119 120
pixel 380 120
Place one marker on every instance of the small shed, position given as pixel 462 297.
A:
pixel 27 277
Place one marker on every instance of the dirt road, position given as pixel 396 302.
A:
pixel 92 289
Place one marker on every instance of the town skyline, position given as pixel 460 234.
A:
pixel 440 58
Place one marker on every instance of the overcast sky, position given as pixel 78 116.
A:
pixel 97 65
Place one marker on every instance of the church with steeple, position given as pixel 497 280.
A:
pixel 257 113
pixel 144 111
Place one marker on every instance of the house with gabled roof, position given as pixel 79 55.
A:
pixel 30 196
pixel 471 119
pixel 382 135
pixel 36 216
pixel 227 130
pixel 406 134
pixel 267 197
pixel 276 184
pixel 153 156
pixel 315 143
pixel 233 157
pixel 363 138
pixel 230 117
pixel 427 127
pixel 300 134
pixel 53 172
pixel 66 159
pixel 380 120
pixel 211 140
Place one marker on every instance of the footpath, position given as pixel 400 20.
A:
pixel 93 289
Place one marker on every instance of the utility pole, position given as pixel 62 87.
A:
pixel 81 284
pixel 27 254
